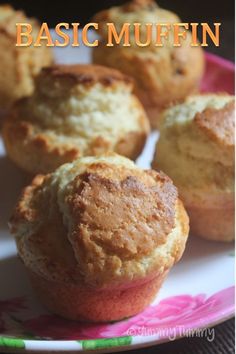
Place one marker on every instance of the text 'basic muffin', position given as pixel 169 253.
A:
pixel 75 111
pixel 98 236
pixel 196 149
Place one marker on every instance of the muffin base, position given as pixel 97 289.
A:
pixel 85 304
pixel 212 224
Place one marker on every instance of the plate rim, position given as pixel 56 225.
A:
pixel 215 319
pixel 210 321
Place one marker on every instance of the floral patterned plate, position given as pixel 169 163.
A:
pixel 198 293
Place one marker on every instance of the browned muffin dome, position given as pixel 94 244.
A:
pixel 163 75
pixel 196 149
pixel 108 226
pixel 75 110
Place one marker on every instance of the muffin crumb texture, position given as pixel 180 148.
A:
pixel 163 75
pixel 197 150
pixel 198 138
pixel 107 223
pixel 77 110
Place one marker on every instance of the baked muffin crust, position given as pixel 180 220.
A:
pixel 198 138
pixel 162 75
pixel 75 111
pixel 86 74
pixel 218 124
pixel 196 149
pixel 107 224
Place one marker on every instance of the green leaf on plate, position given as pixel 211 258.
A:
pixel 93 344
pixel 11 342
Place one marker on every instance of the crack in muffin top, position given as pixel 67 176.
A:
pixel 115 215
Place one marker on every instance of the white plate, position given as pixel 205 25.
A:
pixel 198 292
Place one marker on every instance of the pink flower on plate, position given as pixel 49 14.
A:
pixel 177 311
pixel 174 312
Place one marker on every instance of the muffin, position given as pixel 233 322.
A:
pixel 98 236
pixel 18 65
pixel 196 149
pixel 75 110
pixel 163 75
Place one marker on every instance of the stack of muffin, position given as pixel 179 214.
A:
pixel 97 234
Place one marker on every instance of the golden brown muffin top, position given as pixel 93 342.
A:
pixel 86 74
pixel 135 5
pixel 78 110
pixel 141 11
pixel 210 115
pixel 126 213
pixel 198 138
pixel 114 216
pixel 218 124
